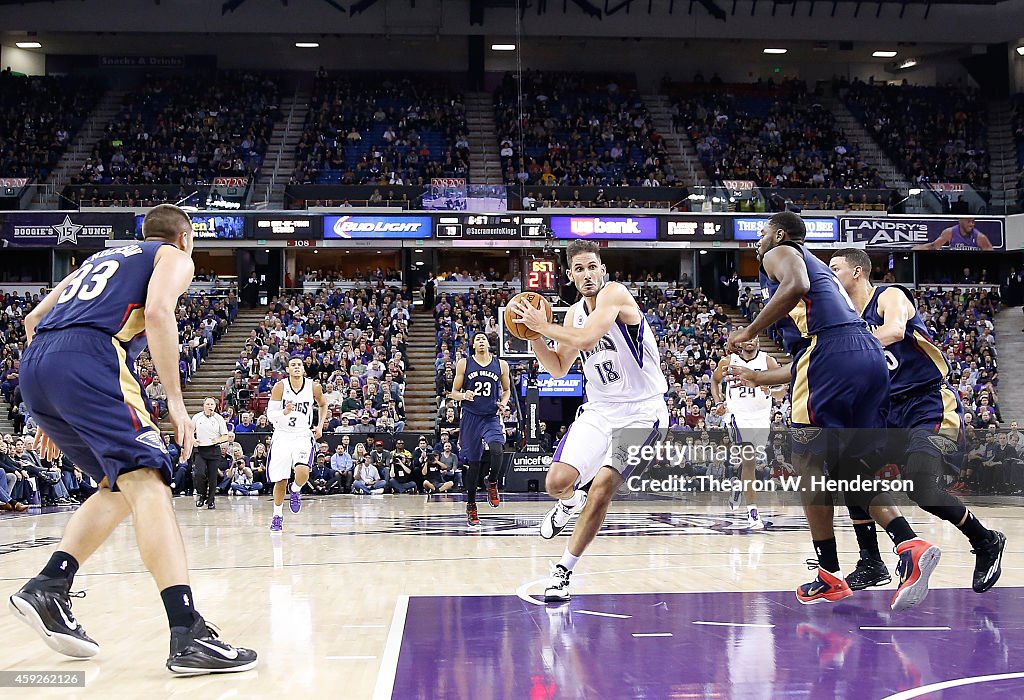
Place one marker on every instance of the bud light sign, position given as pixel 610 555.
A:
pixel 368 226
pixel 606 228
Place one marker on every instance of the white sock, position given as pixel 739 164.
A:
pixel 279 510
pixel 574 500
pixel 295 487
pixel 568 560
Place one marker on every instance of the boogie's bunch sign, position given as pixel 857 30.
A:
pixel 64 229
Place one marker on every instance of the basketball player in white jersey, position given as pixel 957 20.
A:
pixel 294 441
pixel 625 392
pixel 750 417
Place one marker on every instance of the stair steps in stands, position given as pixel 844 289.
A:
pixel 420 395
pixel 209 379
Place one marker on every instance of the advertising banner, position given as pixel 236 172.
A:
pixel 376 226
pixel 606 228
pixel 569 385
pixel 889 233
pixel 285 227
pixel 207 227
pixel 818 229
pixel 695 228
pixel 64 229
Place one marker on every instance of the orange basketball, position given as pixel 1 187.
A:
pixel 517 329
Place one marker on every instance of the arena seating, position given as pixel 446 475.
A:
pixel 1018 137
pixel 382 130
pixel 185 131
pixel 932 134
pixel 775 135
pixel 578 130
pixel 39 117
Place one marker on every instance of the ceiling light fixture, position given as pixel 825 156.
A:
pixel 503 47
pixel 884 54
pixel 28 44
pixel 776 51
pixel 307 45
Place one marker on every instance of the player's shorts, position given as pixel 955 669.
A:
pixel 750 430
pixel 80 388
pixel 605 433
pixel 840 394
pixel 475 432
pixel 930 421
pixel 285 452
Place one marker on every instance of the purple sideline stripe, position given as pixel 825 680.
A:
pixel 452 644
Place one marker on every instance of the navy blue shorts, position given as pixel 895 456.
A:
pixel 840 390
pixel 474 434
pixel 930 422
pixel 80 389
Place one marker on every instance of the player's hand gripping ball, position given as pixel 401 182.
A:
pixel 520 330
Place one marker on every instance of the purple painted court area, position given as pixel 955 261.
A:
pixel 491 647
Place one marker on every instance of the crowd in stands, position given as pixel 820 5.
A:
pixel 387 131
pixel 13 309
pixel 334 274
pixel 574 129
pixel 353 342
pixel 932 134
pixel 774 135
pixel 186 130
pixel 39 117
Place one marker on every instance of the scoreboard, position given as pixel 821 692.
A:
pixel 491 226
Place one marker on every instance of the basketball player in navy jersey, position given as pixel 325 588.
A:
pixel 927 415
pixel 840 386
pixel 963 236
pixel 79 382
pixel 482 385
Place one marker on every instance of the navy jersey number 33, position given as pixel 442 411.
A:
pixel 78 376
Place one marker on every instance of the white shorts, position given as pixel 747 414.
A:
pixel 285 452
pixel 601 428
pixel 750 430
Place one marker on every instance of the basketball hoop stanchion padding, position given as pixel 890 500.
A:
pixel 532 411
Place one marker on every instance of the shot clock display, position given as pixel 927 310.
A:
pixel 541 275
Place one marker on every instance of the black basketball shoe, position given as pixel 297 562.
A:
pixel 988 564
pixel 44 604
pixel 196 650
pixel 869 572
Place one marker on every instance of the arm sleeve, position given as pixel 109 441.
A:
pixel 275 411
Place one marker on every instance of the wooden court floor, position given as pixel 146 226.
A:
pixel 327 603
